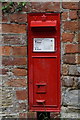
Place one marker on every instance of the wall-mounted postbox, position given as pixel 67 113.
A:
pixel 44 61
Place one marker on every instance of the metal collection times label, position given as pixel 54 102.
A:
pixel 43 44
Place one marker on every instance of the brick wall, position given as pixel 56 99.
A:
pixel 14 59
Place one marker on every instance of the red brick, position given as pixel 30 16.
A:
pixel 4 71
pixel 7 61
pixel 50 6
pixel 27 7
pixel 4 18
pixel 78 59
pixel 79 37
pixel 20 61
pixel 34 7
pixel 79 14
pixel 23 115
pixel 14 39
pixel 56 6
pixel 13 28
pixel 14 61
pixel 21 94
pixel 9 39
pixel 72 48
pixel 19 51
pixel 71 25
pixel 42 7
pixel 18 17
pixel 65 69
pixel 19 72
pixel 67 37
pixel 69 58
pixel 64 15
pixel 73 14
pixel 70 5
pixel 16 83
pixel 6 51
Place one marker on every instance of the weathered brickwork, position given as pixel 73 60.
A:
pixel 14 60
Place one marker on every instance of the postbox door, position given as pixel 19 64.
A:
pixel 44 63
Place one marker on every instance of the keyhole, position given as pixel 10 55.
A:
pixel 38 86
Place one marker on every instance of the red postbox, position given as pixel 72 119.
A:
pixel 44 61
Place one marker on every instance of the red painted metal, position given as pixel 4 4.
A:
pixel 43 24
pixel 44 67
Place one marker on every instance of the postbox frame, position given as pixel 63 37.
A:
pixel 30 82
